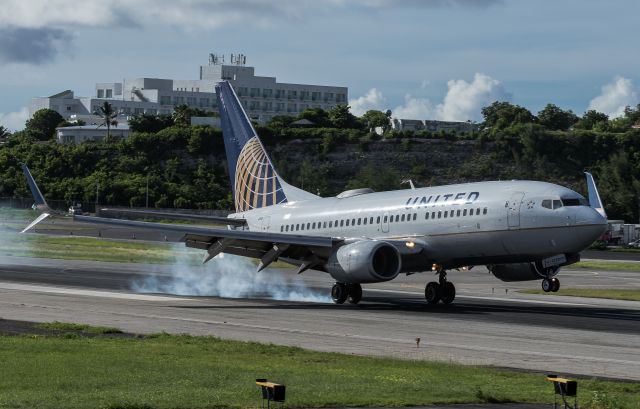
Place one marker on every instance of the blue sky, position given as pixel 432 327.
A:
pixel 440 59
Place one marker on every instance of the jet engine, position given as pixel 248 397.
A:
pixel 366 261
pixel 520 272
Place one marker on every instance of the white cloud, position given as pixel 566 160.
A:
pixel 414 108
pixel 462 102
pixel 465 100
pixel 373 99
pixel 615 97
pixel 14 121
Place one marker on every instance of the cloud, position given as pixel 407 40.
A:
pixel 31 45
pixel 615 97
pixel 414 108
pixel 462 102
pixel 14 120
pixel 373 99
pixel 384 4
pixel 465 100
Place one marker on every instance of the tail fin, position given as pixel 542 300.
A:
pixel 40 202
pixel 254 180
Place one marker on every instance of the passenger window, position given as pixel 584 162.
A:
pixel 281 229
pixel 439 214
pixel 336 223
pixel 557 204
pixel 308 226
pixel 397 218
pixel 364 221
pixel 415 216
pixel 359 220
pixel 341 223
pixel 402 218
pixel 313 226
pixel 371 220
pixel 458 213
pixel 301 226
pixel 484 211
pixel 426 216
pixel 286 227
pixel 324 225
pixel 353 222
pixel 378 220
pixel 446 213
pixel 546 204
pixel 330 224
pixel 347 222
pixel 433 215
pixel 464 212
pixel 385 219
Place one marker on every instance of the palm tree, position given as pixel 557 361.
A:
pixel 4 132
pixel 108 115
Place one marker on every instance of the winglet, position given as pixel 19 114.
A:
pixel 594 196
pixel 41 204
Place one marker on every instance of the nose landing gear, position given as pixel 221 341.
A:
pixel 443 290
pixel 550 285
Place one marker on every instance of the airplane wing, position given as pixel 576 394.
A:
pixel 179 216
pixel 305 251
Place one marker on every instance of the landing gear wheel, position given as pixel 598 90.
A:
pixel 355 293
pixel 339 293
pixel 432 293
pixel 547 285
pixel 448 291
pixel 555 285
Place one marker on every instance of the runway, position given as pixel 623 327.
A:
pixel 488 324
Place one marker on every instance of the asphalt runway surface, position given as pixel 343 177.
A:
pixel 489 323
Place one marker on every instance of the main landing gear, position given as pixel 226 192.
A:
pixel 341 292
pixel 443 290
pixel 550 284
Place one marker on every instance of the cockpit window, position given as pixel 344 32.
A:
pixel 557 204
pixel 575 202
pixel 546 204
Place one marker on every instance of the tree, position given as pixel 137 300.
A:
pixel 280 121
pixel 501 115
pixel 150 123
pixel 43 124
pixel 591 118
pixel 182 115
pixel 108 116
pixel 555 119
pixel 374 118
pixel 4 132
pixel 318 116
pixel 340 117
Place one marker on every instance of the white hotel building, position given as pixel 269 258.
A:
pixel 262 97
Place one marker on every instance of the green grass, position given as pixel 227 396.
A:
pixel 67 326
pixel 607 265
pixel 164 371
pixel 610 293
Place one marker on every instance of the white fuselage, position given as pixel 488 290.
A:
pixel 473 223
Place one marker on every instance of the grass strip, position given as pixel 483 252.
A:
pixel 607 265
pixel 609 293
pixel 166 371
pixel 68 326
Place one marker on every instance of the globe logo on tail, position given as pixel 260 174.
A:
pixel 256 183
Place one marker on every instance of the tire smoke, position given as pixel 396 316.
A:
pixel 226 276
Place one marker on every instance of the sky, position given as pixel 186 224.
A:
pixel 423 59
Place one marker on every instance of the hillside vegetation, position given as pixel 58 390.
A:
pixel 186 167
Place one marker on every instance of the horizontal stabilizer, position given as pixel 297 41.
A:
pixel 36 221
pixel 594 196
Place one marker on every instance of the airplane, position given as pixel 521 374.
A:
pixel 520 230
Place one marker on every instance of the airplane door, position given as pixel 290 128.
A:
pixel 384 223
pixel 513 210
